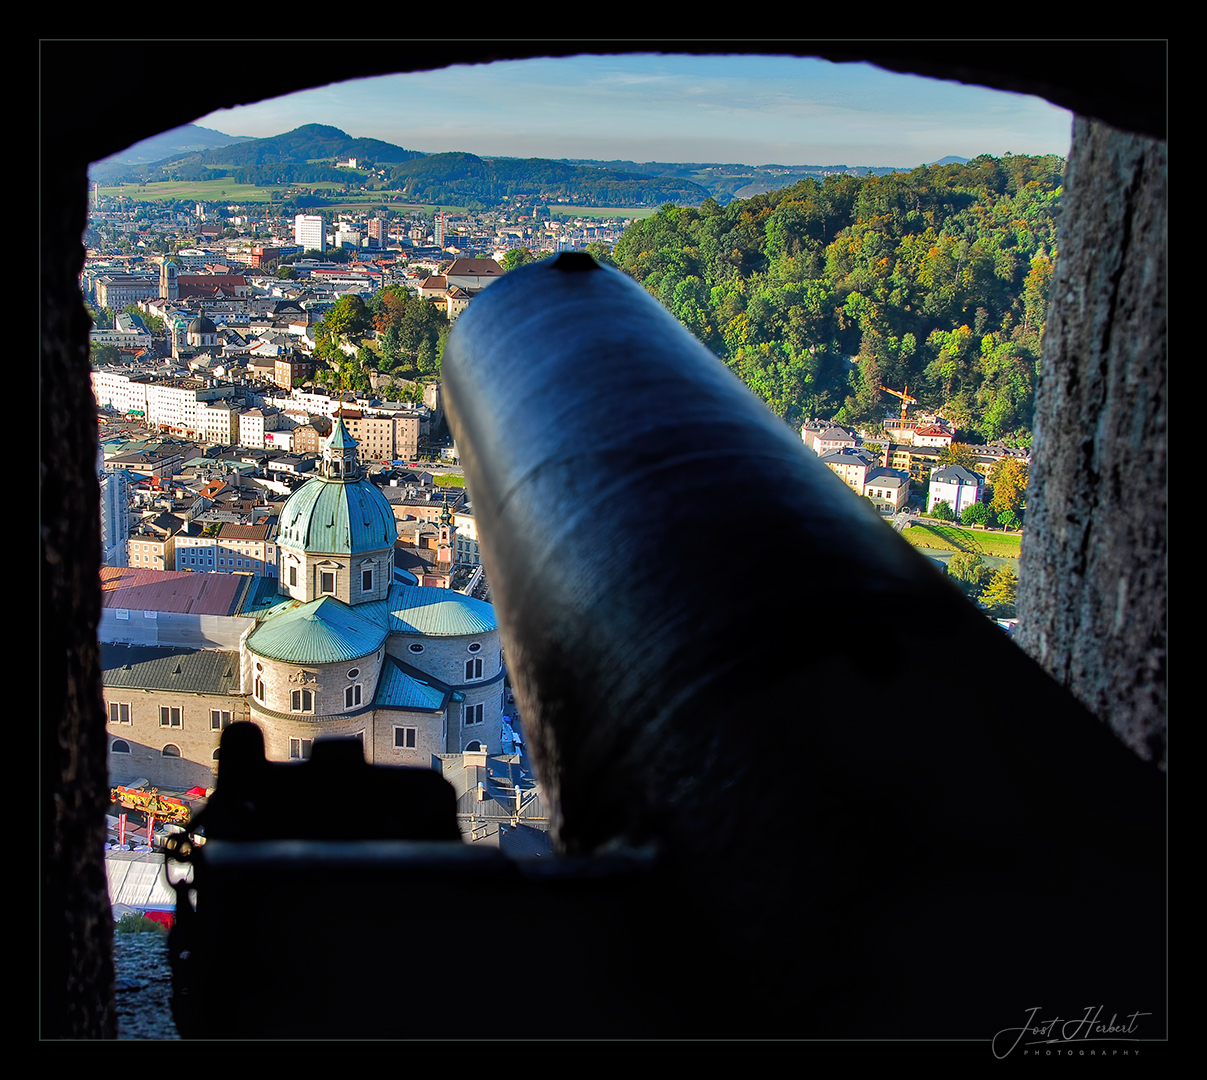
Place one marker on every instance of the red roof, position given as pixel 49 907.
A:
pixel 171 590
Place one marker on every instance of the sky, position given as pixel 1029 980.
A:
pixel 754 110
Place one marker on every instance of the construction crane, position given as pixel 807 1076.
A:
pixel 906 400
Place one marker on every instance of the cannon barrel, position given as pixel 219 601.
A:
pixel 722 654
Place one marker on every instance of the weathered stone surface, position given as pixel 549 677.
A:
pixel 77 926
pixel 1092 589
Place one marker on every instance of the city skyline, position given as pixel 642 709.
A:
pixel 753 110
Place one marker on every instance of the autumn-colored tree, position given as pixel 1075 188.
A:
pixel 957 454
pixel 1009 480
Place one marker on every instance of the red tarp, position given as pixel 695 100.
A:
pixel 196 793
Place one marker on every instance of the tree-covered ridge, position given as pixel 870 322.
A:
pixel 936 278
pixel 305 156
pixel 307 143
pixel 292 157
pixel 466 178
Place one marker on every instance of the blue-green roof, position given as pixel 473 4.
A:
pixel 422 609
pixel 340 517
pixel 401 689
pixel 341 437
pixel 323 631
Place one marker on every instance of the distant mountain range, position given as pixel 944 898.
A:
pixel 188 139
pixel 307 155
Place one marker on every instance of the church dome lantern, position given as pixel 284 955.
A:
pixel 336 533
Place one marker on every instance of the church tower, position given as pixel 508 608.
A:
pixel 446 547
pixel 169 288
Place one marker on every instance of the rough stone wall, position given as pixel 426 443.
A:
pixel 1092 589
pixel 77 924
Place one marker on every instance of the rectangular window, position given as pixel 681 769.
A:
pixel 293 575
pixel 219 719
pixel 473 668
pixel 473 714
pixel 169 717
pixel 327 581
pixel 119 713
pixel 299 749
pixel 366 580
pixel 302 701
pixel 404 738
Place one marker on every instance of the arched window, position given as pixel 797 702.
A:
pixel 120 746
pixel 475 745
pixel 171 750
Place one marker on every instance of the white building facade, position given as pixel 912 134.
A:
pixel 955 485
pixel 309 233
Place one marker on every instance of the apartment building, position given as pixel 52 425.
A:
pixel 236 549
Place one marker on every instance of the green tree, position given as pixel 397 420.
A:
pixel 976 514
pixel 105 354
pixel 1008 520
pixel 943 511
pixel 517 257
pixel 390 352
pixel 1001 592
pixel 345 320
pixel 968 569
pixel 601 253
pixel 425 359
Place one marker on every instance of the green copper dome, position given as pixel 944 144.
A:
pixel 337 517
pixel 338 512
pixel 324 631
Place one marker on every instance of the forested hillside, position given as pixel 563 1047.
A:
pixel 465 178
pixel 936 278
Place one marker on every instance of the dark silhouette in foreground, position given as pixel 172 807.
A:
pixel 764 832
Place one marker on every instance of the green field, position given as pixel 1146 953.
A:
pixel 201 190
pixel 227 190
pixel 560 210
pixel 950 538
